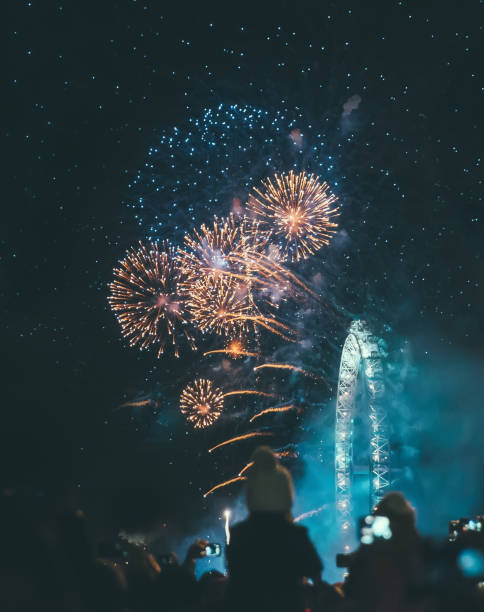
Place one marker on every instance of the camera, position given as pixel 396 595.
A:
pixel 213 550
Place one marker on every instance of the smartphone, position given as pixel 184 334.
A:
pixel 345 559
pixel 374 528
pixel 464 525
pixel 213 550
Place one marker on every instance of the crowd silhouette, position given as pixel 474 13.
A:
pixel 49 562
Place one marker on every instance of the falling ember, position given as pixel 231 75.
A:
pixel 286 366
pixel 309 514
pixel 300 211
pixel 269 410
pixel 224 484
pixel 247 467
pixel 249 392
pixel 234 349
pixel 144 296
pixel 252 434
pixel 202 403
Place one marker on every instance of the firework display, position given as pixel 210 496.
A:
pixel 300 211
pixel 145 299
pixel 231 279
pixel 202 403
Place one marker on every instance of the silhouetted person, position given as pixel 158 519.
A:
pixel 269 556
pixel 176 587
pixel 389 574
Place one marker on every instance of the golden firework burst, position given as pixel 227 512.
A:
pixel 299 209
pixel 144 296
pixel 219 305
pixel 202 403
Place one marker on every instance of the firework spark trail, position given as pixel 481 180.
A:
pixel 227 514
pixel 274 271
pixel 287 454
pixel 202 403
pixel 138 403
pixel 224 484
pixel 247 467
pixel 309 514
pixel 144 296
pixel 270 410
pixel 299 210
pixel 252 434
pixel 263 322
pixel 249 392
pixel 286 366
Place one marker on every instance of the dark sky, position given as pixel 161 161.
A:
pixel 89 86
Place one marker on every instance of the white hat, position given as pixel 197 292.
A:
pixel 269 484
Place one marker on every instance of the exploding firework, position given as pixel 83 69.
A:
pixel 272 410
pixel 218 154
pixel 252 434
pixel 224 248
pixel 233 280
pixel 202 403
pixel 234 349
pixel 300 211
pixel 145 299
pixel 223 306
pixel 224 484
pixel 219 305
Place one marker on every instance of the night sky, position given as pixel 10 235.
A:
pixel 89 87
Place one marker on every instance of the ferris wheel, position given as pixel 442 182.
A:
pixel 361 356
